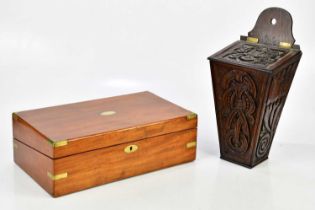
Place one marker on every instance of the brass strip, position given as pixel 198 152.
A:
pixel 57 176
pixel 131 148
pixel 252 39
pixel 191 144
pixel 58 143
pixel 15 146
pixel 191 116
pixel 285 45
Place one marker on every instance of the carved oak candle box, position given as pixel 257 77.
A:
pixel 77 146
pixel 251 79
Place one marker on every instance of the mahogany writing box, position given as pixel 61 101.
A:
pixel 77 146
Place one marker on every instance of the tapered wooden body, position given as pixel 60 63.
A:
pixel 77 146
pixel 251 81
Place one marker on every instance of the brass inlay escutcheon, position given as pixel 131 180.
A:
pixel 131 148
pixel 107 113
pixel 191 144
pixel 57 176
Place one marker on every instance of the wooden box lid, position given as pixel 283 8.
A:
pixel 79 127
pixel 268 45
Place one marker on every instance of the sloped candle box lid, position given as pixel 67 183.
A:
pixel 269 45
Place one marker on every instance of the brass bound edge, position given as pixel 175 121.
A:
pixel 191 144
pixel 57 176
pixel 191 116
pixel 58 143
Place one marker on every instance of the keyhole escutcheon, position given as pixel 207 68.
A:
pixel 131 148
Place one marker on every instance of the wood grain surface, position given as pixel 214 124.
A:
pixel 137 116
pixel 106 165
pixel 34 164
pixel 274 25
pixel 110 164
pixel 248 103
pixel 251 82
pixel 98 134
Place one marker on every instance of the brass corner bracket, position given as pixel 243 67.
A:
pixel 57 176
pixel 58 143
pixel 191 116
pixel 191 144
pixel 14 116
pixel 15 146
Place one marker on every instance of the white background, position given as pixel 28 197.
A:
pixel 62 51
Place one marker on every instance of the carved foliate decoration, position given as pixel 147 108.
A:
pixel 251 78
pixel 239 108
pixel 280 87
pixel 270 122
pixel 255 54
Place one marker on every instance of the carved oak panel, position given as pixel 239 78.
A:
pixel 251 79
pixel 239 102
pixel 239 107
pixel 255 54
pixel 277 95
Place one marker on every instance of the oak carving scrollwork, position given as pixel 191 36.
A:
pixel 270 122
pixel 280 87
pixel 255 54
pixel 239 108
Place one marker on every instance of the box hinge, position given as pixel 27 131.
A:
pixel 285 45
pixel 191 116
pixel 191 144
pixel 252 39
pixel 57 176
pixel 58 143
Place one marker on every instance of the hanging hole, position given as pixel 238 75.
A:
pixel 273 21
